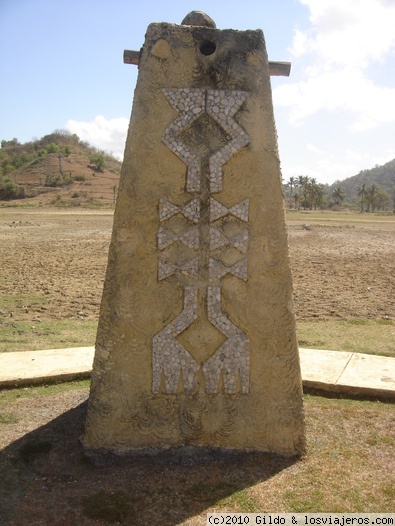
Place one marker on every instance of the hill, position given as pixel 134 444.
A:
pixel 383 176
pixel 59 168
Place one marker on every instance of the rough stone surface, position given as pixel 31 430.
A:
pixel 198 18
pixel 196 341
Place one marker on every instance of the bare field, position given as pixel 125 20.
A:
pixel 52 268
pixel 53 264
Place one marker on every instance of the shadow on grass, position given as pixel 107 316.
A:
pixel 48 479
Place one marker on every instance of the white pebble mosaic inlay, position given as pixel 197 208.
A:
pixel 170 358
pixel 232 358
pixel 218 210
pixel 191 210
pixel 221 105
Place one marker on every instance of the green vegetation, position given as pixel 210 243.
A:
pixel 8 418
pixel 383 176
pixel 17 160
pixel 369 191
pixel 111 507
pixel 98 161
pixel 10 190
pixel 344 217
pixel 241 502
pixel 338 195
pixel 9 396
pixel 54 334
pixel 304 192
pixel 10 302
pixel 372 197
pixel 361 336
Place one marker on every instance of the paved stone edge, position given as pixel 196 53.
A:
pixel 44 380
pixel 336 388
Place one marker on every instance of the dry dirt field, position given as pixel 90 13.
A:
pixel 55 260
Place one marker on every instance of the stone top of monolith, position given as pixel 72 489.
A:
pixel 198 18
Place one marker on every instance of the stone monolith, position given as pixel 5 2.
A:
pixel 196 341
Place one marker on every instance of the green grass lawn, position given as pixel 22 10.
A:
pixel 362 336
pixel 36 336
pixel 343 217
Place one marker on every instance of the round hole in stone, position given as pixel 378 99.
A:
pixel 207 48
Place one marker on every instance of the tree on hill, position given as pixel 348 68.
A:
pixel 361 193
pixel 98 161
pixel 10 190
pixel 384 176
pixel 374 196
pixel 383 199
pixel 315 193
pixel 52 148
pixel 338 195
pixel 13 142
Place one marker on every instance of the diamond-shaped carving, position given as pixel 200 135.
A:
pixel 201 339
pixel 204 136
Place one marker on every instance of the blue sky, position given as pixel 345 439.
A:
pixel 61 67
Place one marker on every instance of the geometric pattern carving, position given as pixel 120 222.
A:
pixel 190 104
pixel 218 210
pixel 218 270
pixel 166 237
pixel 169 356
pixel 218 240
pixel 170 359
pixel 191 210
pixel 167 269
pixel 221 106
pixel 232 358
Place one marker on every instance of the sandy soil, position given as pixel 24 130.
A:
pixel 56 259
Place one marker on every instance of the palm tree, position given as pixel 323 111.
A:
pixel 338 195
pixel 291 184
pixel 371 197
pixel 361 192
pixel 320 190
pixel 302 182
pixel 383 199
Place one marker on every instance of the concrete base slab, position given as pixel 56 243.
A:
pixel 331 371
pixel 348 373
pixel 37 367
pixel 323 367
pixel 366 373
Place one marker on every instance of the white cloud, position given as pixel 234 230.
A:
pixel 344 39
pixel 349 32
pixel 314 149
pixel 106 134
pixel 341 90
